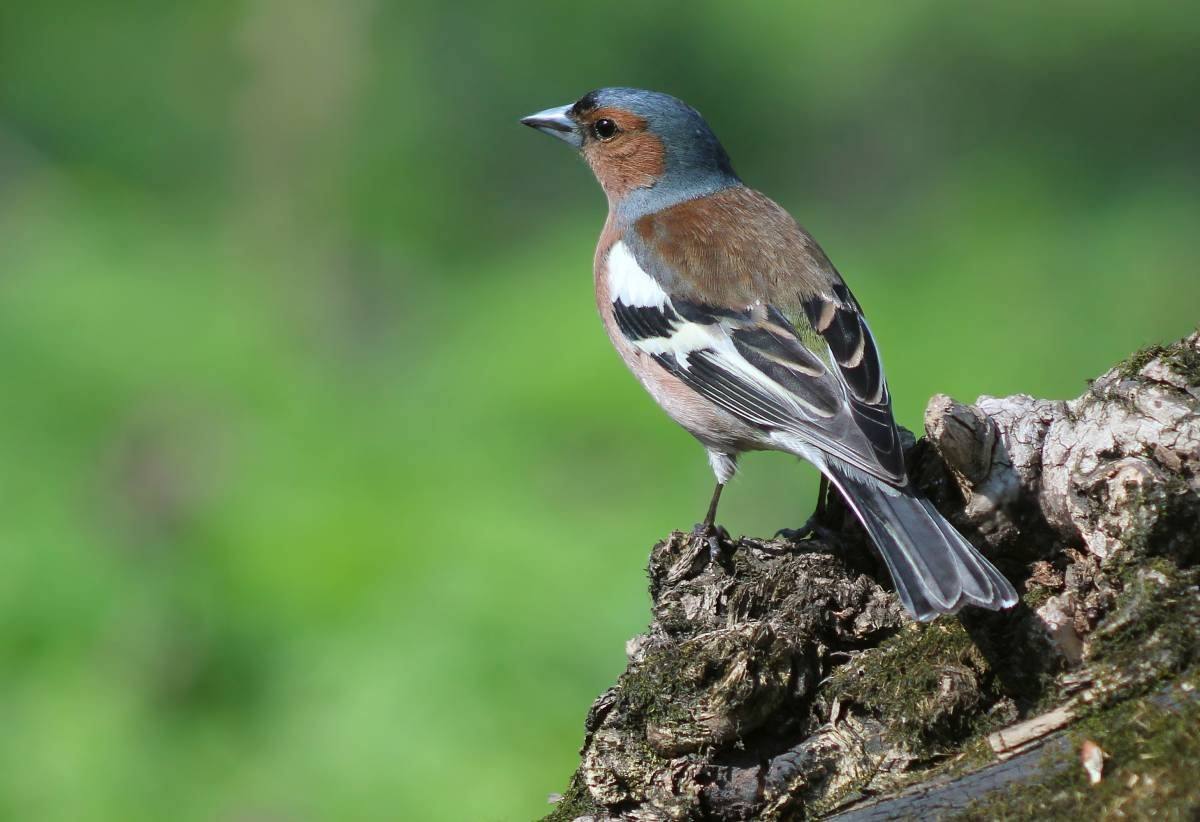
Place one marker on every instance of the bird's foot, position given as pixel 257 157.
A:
pixel 820 525
pixel 708 529
pixel 713 536
pixel 813 529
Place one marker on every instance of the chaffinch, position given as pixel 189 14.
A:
pixel 738 325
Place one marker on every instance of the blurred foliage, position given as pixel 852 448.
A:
pixel 325 497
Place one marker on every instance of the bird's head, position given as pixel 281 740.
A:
pixel 647 149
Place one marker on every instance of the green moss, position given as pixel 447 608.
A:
pixel 706 690
pixel 660 686
pixel 1181 357
pixel 576 802
pixel 1148 638
pixel 1138 360
pixel 1153 741
pixel 1165 523
pixel 1185 360
pixel 929 683
pixel 1151 634
pixel 1037 596
pixel 1152 744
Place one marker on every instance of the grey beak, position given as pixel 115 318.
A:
pixel 556 123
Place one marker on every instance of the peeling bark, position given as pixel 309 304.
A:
pixel 781 680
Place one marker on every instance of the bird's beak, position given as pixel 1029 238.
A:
pixel 557 123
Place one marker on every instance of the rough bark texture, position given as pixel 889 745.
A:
pixel 781 680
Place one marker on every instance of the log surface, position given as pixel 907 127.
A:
pixel 782 680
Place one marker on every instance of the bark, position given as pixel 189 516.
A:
pixel 781 679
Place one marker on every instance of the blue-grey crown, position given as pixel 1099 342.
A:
pixel 696 162
pixel 690 144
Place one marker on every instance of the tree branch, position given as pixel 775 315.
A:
pixel 781 680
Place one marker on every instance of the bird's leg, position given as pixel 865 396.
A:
pixel 708 527
pixel 822 511
pixel 711 517
pixel 724 465
pixel 708 530
pixel 818 522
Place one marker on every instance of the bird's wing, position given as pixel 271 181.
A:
pixel 839 321
pixel 757 357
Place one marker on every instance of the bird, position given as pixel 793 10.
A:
pixel 735 321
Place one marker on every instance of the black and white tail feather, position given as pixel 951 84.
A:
pixel 935 570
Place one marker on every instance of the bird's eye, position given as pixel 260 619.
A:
pixel 604 129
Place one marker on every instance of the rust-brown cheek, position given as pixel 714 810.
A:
pixel 634 159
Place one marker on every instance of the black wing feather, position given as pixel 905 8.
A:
pixel 706 377
pixel 863 433
pixel 840 322
pixel 644 322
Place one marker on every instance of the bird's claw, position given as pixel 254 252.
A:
pixel 708 529
pixel 713 536
pixel 813 529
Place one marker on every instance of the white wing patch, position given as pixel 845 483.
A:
pixel 629 284
pixel 633 287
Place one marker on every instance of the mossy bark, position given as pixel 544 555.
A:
pixel 781 680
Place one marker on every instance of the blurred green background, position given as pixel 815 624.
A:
pixel 324 496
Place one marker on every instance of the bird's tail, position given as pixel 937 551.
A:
pixel 936 571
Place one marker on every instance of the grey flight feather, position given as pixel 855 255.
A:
pixel 936 571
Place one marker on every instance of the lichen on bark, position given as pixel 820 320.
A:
pixel 781 680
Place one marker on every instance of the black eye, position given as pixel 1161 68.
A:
pixel 604 129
